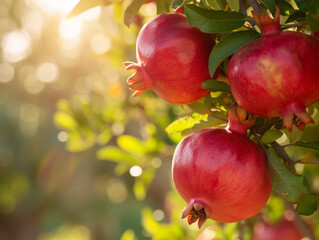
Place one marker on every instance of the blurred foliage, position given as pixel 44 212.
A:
pixel 81 159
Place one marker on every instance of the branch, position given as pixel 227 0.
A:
pixel 283 153
pixel 255 5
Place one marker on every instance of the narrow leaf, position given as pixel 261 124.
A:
pixel 131 144
pixel 302 5
pixel 132 10
pixel 313 15
pixel 216 86
pixel 288 185
pixel 271 135
pixel 115 154
pixel 211 21
pixel 307 204
pixel 296 16
pixel 85 5
pixel 271 5
pixel 234 5
pixel 228 45
pixel 312 145
pixel 285 7
pixel 216 4
pixel 176 4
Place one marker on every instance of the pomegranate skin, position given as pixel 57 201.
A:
pixel 172 59
pixel 223 172
pixel 283 230
pixel 277 74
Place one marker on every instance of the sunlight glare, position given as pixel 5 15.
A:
pixel 71 29
pixel 136 171
pixel 16 46
pixel 33 21
pixel 47 72
pixel 6 73
pixel 100 44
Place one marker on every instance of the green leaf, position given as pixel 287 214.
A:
pixel 177 4
pixel 296 16
pixel 116 154
pixel 65 121
pixel 285 7
pixel 288 185
pixel 185 123
pixel 132 10
pixel 271 5
pixel 313 15
pixel 302 5
pixel 312 145
pixel 217 4
pixel 216 86
pixel 234 5
pixel 307 204
pixel 85 5
pixel 271 136
pixel 128 235
pixel 211 21
pixel 139 189
pixel 228 45
pixel 131 144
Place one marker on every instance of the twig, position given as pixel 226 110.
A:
pixel 300 223
pixel 257 138
pixel 283 153
pixel 242 225
pixel 255 5
pixel 243 7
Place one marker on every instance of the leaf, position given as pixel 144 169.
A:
pixel 271 5
pixel 307 204
pixel 234 5
pixel 296 16
pixel 128 235
pixel 132 10
pixel 185 123
pixel 85 5
pixel 313 15
pixel 228 45
pixel 176 4
pixel 288 185
pixel 285 7
pixel 116 154
pixel 65 121
pixel 211 21
pixel 302 5
pixel 271 136
pixel 131 144
pixel 216 86
pixel 312 145
pixel 216 4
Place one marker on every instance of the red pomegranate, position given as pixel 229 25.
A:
pixel 221 173
pixel 285 229
pixel 277 74
pixel 172 59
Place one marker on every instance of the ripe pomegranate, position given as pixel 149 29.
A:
pixel 277 74
pixel 172 59
pixel 221 173
pixel 285 229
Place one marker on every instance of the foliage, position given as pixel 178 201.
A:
pixel 134 139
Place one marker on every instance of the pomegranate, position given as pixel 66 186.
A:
pixel 221 173
pixel 172 59
pixel 285 229
pixel 277 74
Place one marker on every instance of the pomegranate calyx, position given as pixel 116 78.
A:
pixel 239 120
pixel 139 81
pixel 295 114
pixel 266 23
pixel 195 211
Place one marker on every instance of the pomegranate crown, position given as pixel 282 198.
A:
pixel 266 23
pixel 239 120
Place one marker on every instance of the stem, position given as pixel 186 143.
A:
pixel 257 138
pixel 243 7
pixel 255 5
pixel 283 153
pixel 242 229
pixel 300 223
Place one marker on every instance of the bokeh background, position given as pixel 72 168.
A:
pixel 80 159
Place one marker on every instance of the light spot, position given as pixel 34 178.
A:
pixel 116 191
pixel 71 29
pixel 6 73
pixel 47 72
pixel 16 46
pixel 63 136
pixel 136 171
pixel 158 215
pixel 100 44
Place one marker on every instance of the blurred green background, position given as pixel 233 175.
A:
pixel 80 158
